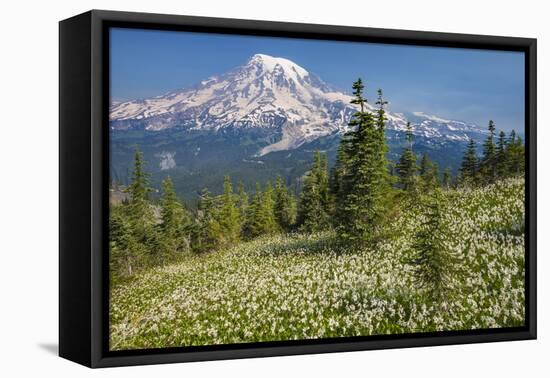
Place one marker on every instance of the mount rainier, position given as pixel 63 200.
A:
pixel 257 121
pixel 276 96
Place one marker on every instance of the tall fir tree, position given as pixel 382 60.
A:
pixel 228 216
pixel 314 208
pixel 207 231
pixel 515 155
pixel 139 208
pixel 323 180
pixel 139 211
pixel 468 169
pixel 260 217
pixel 365 183
pixel 175 223
pixel 269 223
pixel 384 165
pixel 429 173
pixel 488 163
pixel 285 205
pixel 501 158
pixel 126 255
pixel 242 202
pixel 338 173
pixel 252 226
pixel 434 264
pixel 406 166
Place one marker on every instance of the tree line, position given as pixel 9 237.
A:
pixel 356 197
pixel 144 234
pixel 503 156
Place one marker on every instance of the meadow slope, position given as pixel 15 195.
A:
pixel 299 286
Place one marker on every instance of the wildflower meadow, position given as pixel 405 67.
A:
pixel 308 285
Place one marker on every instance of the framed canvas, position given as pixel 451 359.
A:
pixel 235 188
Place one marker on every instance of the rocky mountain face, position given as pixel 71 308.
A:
pixel 275 97
pixel 258 121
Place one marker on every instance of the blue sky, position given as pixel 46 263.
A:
pixel 462 84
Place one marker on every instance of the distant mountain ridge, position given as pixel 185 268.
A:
pixel 276 96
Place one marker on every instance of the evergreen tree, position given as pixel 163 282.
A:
pixel 126 255
pixel 384 166
pixel 268 221
pixel 434 264
pixel 406 166
pixel 252 226
pixel 285 206
pixel 501 158
pixel 323 180
pixel 175 226
pixel 314 211
pixel 339 172
pixel 207 231
pixel 139 211
pixel 365 183
pixel 488 164
pixel 242 203
pixel 228 216
pixel 468 169
pixel 260 217
pixel 429 173
pixel 515 155
pixel 139 208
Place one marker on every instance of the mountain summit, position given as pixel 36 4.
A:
pixel 271 94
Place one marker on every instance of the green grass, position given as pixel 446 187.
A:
pixel 298 286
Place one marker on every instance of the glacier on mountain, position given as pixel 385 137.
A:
pixel 269 93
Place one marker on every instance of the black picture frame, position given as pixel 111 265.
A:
pixel 83 195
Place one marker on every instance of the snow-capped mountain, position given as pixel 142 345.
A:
pixel 270 94
pixel 436 128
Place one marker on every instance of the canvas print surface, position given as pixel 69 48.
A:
pixel 274 189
